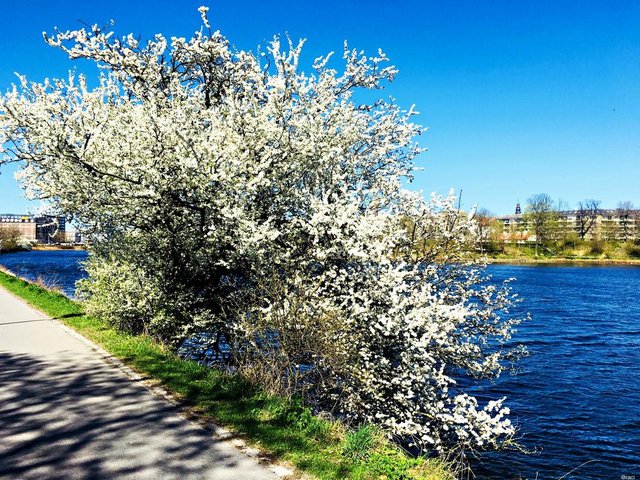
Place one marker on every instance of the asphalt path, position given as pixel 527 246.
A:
pixel 67 411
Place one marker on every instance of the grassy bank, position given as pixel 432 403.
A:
pixel 58 247
pixel 13 250
pixel 284 430
pixel 562 260
pixel 605 253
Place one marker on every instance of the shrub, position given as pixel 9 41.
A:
pixel 596 248
pixel 11 240
pixel 633 250
pixel 231 194
pixel 360 443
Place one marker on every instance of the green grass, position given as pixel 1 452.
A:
pixel 285 430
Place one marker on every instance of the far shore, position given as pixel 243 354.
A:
pixel 59 247
pixel 501 260
pixel 551 260
pixel 39 247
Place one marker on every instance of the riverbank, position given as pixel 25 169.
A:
pixel 58 247
pixel 40 247
pixel 280 429
pixel 562 260
pixel 594 252
pixel 14 250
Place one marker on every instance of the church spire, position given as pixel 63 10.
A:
pixel 518 209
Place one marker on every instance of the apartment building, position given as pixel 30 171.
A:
pixel 608 224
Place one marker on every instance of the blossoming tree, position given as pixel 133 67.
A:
pixel 232 193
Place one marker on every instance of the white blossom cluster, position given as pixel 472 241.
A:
pixel 202 173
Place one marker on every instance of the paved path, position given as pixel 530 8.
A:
pixel 67 413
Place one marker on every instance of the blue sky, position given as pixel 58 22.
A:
pixel 519 97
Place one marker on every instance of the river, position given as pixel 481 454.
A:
pixel 58 269
pixel 576 399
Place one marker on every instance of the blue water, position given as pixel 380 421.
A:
pixel 577 398
pixel 59 269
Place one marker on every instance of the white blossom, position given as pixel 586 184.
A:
pixel 201 174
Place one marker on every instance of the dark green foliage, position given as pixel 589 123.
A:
pixel 633 250
pixel 360 444
pixel 596 248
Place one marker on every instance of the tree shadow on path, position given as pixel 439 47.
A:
pixel 76 417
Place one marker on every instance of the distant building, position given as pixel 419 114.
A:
pixel 72 236
pixel 24 224
pixel 44 229
pixel 608 225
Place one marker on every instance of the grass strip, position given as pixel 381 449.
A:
pixel 283 429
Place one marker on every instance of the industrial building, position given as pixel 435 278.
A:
pixel 45 229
